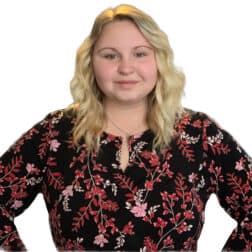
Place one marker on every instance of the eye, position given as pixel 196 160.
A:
pixel 109 56
pixel 140 54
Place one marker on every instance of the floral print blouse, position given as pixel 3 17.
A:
pixel 156 204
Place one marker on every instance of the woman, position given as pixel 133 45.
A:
pixel 126 167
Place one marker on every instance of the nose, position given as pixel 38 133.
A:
pixel 126 65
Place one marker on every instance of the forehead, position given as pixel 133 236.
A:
pixel 121 33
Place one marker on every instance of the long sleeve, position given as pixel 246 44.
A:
pixel 21 174
pixel 228 172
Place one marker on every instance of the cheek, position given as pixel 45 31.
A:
pixel 102 74
pixel 150 72
pixel 154 75
pixel 98 77
pixel 149 66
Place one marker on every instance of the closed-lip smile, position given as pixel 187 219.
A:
pixel 126 82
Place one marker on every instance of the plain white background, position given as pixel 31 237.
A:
pixel 212 44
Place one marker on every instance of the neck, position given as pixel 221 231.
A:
pixel 122 119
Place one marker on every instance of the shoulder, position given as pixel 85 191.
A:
pixel 195 121
pixel 62 119
pixel 194 115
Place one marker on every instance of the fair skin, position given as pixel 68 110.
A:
pixel 126 72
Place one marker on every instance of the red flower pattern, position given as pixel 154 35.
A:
pixel 156 204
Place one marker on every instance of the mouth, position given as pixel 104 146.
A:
pixel 127 82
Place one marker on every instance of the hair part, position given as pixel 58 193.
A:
pixel 164 102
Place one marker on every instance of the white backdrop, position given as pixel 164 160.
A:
pixel 212 42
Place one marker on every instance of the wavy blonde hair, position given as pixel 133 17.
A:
pixel 164 102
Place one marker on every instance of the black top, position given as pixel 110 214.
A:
pixel 157 203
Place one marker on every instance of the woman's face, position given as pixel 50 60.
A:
pixel 124 64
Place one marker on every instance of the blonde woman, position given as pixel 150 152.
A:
pixel 126 167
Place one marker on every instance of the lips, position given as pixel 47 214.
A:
pixel 126 82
